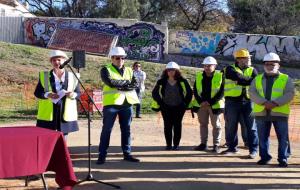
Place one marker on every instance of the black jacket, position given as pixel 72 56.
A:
pixel 123 85
pixel 206 93
pixel 232 74
pixel 58 122
pixel 162 83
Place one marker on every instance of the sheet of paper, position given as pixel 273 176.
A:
pixel 61 94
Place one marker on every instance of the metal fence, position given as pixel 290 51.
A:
pixel 12 29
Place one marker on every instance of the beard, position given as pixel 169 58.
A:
pixel 271 72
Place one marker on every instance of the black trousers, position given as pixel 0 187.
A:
pixel 172 116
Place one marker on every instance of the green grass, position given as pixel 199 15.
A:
pixel 20 64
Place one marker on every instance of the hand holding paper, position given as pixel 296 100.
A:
pixel 60 94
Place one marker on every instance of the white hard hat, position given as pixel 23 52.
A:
pixel 209 61
pixel 57 53
pixel 117 51
pixel 172 65
pixel 271 57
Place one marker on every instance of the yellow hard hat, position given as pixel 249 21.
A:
pixel 241 53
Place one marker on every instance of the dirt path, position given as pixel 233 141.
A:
pixel 169 170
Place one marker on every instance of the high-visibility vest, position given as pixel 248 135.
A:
pixel 45 106
pixel 277 91
pixel 216 83
pixel 231 89
pixel 113 96
pixel 155 106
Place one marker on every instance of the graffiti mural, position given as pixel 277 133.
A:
pixel 141 41
pixel 203 43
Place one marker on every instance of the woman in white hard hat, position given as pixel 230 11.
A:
pixel 172 94
pixel 57 91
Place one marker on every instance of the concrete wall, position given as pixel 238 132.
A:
pixel 224 44
pixel 140 40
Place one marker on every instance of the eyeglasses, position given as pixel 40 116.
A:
pixel 168 70
pixel 137 66
pixel 208 65
pixel 270 64
pixel 119 58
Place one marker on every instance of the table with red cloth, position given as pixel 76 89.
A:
pixel 33 150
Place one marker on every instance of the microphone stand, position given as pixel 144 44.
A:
pixel 89 176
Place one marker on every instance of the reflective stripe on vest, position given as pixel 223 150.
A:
pixel 70 109
pixel 156 106
pixel 215 87
pixel 113 96
pixel 45 106
pixel 277 91
pixel 231 88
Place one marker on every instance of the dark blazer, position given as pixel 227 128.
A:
pixel 162 82
pixel 58 109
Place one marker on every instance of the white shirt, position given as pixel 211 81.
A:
pixel 58 84
pixel 141 77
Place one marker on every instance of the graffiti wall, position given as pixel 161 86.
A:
pixel 140 40
pixel 203 43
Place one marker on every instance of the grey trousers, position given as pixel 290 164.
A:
pixel 204 114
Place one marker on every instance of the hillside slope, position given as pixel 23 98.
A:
pixel 19 67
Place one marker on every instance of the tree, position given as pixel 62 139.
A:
pixel 66 8
pixel 156 11
pixel 197 12
pixel 122 9
pixel 277 17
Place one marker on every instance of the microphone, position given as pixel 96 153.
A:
pixel 65 63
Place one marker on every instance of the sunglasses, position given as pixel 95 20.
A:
pixel 137 66
pixel 119 58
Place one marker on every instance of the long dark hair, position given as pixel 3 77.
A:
pixel 177 76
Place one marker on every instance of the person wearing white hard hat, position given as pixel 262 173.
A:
pixel 118 97
pixel 57 92
pixel 172 95
pixel 271 93
pixel 208 102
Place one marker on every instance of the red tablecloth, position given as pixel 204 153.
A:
pixel 34 150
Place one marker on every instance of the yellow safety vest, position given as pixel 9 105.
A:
pixel 277 91
pixel 113 96
pixel 45 106
pixel 215 87
pixel 155 106
pixel 231 89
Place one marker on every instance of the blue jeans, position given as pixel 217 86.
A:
pixel 234 112
pixel 109 116
pixel 138 106
pixel 281 129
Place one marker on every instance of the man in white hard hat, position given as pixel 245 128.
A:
pixel 118 97
pixel 57 91
pixel 209 103
pixel 271 93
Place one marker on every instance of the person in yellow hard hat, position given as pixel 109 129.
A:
pixel 271 93
pixel 118 97
pixel 172 94
pixel 238 78
pixel 208 92
pixel 57 91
